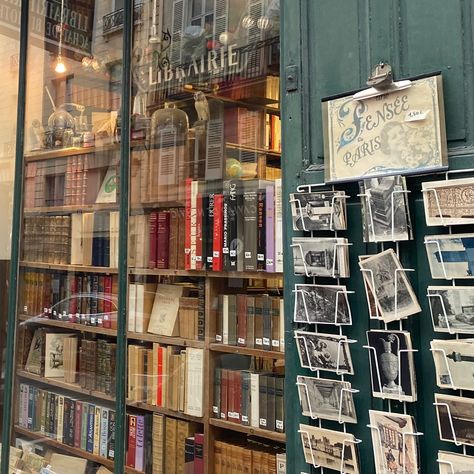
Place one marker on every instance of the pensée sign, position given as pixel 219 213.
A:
pixel 401 132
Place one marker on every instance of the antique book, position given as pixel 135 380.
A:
pixel 163 319
pixel 194 381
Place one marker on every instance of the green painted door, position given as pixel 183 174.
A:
pixel 329 47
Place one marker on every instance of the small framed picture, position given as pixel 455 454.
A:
pixel 400 132
pixel 392 367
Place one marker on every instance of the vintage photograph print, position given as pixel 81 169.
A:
pixel 327 399
pixel 452 308
pixel 450 255
pixel 324 210
pixel 401 132
pixel 324 352
pixel 54 351
pixel 384 206
pixel 389 285
pixel 391 365
pixel 455 418
pixel 322 304
pixel 454 363
pixel 454 463
pixel 449 202
pixel 322 257
pixel 395 449
pixel 330 449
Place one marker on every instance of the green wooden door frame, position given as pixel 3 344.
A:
pixel 329 47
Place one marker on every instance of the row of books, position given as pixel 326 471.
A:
pixel 252 458
pixel 89 238
pixel 73 180
pixel 234 226
pixel 157 239
pixel 167 376
pixel 251 320
pixel 83 298
pixel 249 398
pixel 73 422
pixel 88 363
pixel 167 310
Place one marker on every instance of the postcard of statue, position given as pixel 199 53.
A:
pixel 400 132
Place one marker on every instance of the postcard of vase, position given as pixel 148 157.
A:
pixel 328 399
pixel 329 352
pixel 454 463
pixel 395 298
pixel 395 447
pixel 450 255
pixel 455 418
pixel 454 363
pixel 400 132
pixel 452 308
pixel 324 210
pixel 449 202
pixel 392 367
pixel 330 449
pixel 322 304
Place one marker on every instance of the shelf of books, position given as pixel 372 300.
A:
pixel 204 356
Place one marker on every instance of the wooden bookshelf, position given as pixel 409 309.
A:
pixel 172 341
pixel 71 209
pixel 225 348
pixel 69 267
pixel 248 430
pixel 207 274
pixel 52 154
pixel 165 411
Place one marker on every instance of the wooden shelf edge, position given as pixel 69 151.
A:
pixel 51 154
pixel 172 341
pixel 68 267
pixel 228 425
pixel 205 273
pixel 70 209
pixel 216 347
pixel 165 411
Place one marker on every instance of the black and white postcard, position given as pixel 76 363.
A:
pixel 395 448
pixel 391 365
pixel 452 308
pixel 324 352
pixel 450 255
pixel 455 414
pixel 390 286
pixel 322 257
pixel 454 463
pixel 324 210
pixel 322 304
pixel 449 202
pixel 327 399
pixel 454 363
pixel 385 214
pixel 330 449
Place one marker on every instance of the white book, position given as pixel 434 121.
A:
pixel 194 193
pixel 104 427
pixel 225 319
pixel 254 401
pixel 87 237
pixel 282 325
pixel 60 420
pixel 281 463
pixel 194 381
pixel 278 227
pixel 114 236
pixel 132 304
pixel 76 239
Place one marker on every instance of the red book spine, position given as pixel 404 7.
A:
pixel 237 396
pixel 198 453
pixel 78 425
pixel 199 262
pixel 163 238
pixel 187 225
pixel 241 320
pixel 153 219
pixel 159 385
pixel 132 440
pixel 107 322
pixel 224 393
pixel 73 300
pixel 217 233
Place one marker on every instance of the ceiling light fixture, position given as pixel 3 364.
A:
pixel 60 66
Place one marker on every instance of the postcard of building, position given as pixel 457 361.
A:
pixel 455 418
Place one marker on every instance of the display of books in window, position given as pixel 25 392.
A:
pixel 322 257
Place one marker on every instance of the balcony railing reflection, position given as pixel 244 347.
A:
pixel 114 21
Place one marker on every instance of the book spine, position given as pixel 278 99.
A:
pixel 250 338
pixel 153 237
pixel 280 404
pixel 225 232
pixel 245 405
pixel 97 421
pixel 140 444
pixel 198 453
pixel 107 302
pixel 261 230
pixel 216 407
pixel 187 225
pixel 270 229
pixel 163 237
pixel 78 424
pixel 90 429
pixel 230 194
pixel 132 440
pixel 267 323
pixel 104 427
pixel 217 261
pixel 250 226
pixel 263 400
pixel 232 318
pixel 200 263
pixel 209 231
pixel 84 425
pixel 271 403
pixel 242 320
pixel 278 227
pixel 224 393
pixel 111 436
pixel 189 455
pixel 193 223
pixel 201 317
pixel 254 401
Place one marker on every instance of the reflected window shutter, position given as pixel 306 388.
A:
pixel 177 25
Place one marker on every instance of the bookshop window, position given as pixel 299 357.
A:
pixel 205 306
pixel 65 372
